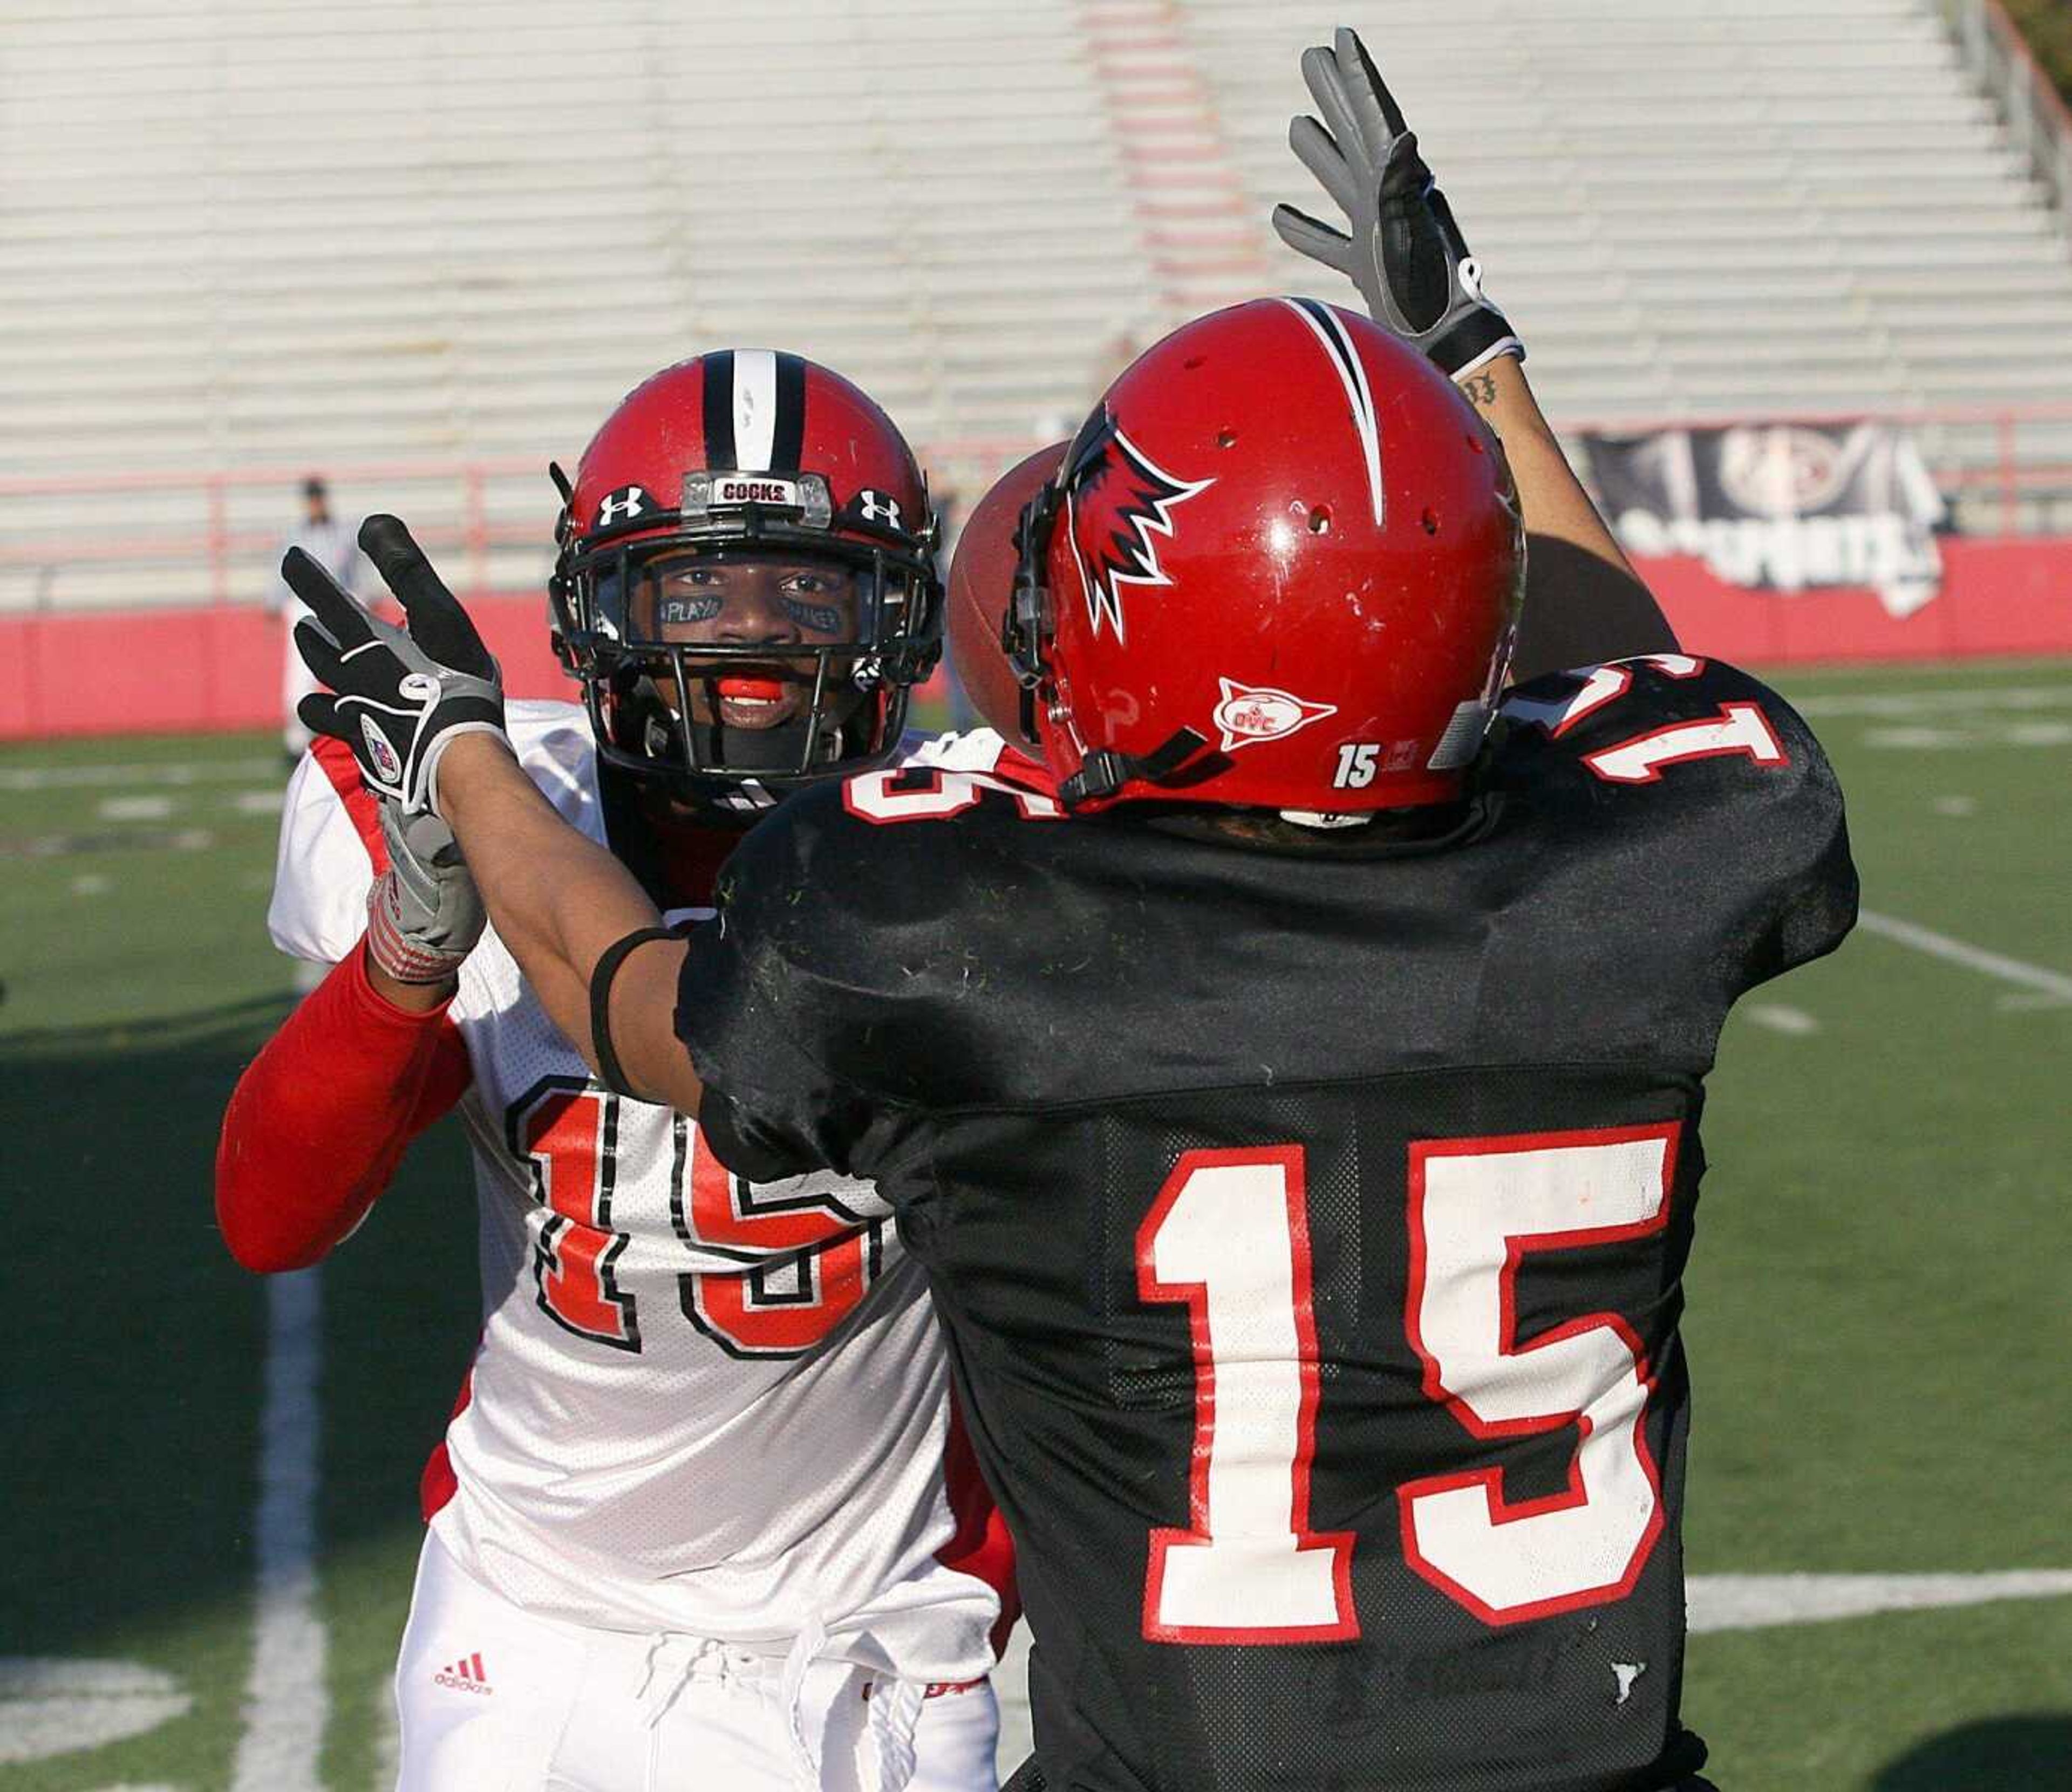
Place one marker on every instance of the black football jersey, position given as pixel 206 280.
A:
pixel 1307 1228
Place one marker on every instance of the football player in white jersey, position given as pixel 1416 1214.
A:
pixel 702 1516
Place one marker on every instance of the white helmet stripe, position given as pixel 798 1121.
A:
pixel 754 408
pixel 1323 324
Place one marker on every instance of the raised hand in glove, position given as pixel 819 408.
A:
pixel 1405 253
pixel 424 914
pixel 397 698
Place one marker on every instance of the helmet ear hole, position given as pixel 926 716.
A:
pixel 1320 520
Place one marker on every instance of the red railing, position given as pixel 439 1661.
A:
pixel 193 659
pixel 213 545
pixel 465 512
pixel 2038 122
pixel 462 511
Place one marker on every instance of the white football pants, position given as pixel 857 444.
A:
pixel 495 1699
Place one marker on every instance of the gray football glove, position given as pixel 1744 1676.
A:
pixel 424 914
pixel 1405 254
pixel 397 698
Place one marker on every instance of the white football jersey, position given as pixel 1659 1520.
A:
pixel 698 1405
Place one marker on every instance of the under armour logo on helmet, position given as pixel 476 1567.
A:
pixel 874 506
pixel 622 505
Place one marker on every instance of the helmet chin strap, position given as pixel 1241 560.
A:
pixel 1184 760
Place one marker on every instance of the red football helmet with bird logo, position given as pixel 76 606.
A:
pixel 1279 567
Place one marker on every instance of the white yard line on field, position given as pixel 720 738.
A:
pixel 134 809
pixel 1718 1602
pixel 65 777
pixel 1990 732
pixel 54 1705
pixel 388 1736
pixel 286 1704
pixel 1751 1602
pixel 1779 1019
pixel 1888 703
pixel 2033 978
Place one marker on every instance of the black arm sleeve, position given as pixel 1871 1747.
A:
pixel 1580 611
pixel 1817 907
pixel 1725 861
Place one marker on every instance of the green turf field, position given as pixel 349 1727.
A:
pixel 1879 1327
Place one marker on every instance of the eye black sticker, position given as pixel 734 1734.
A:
pixel 674 611
pixel 821 618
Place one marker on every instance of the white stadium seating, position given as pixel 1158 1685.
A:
pixel 255 237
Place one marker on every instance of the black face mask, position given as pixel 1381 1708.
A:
pixel 779 749
pixel 852 690
pixel 712 769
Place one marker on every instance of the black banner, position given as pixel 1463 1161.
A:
pixel 1780 507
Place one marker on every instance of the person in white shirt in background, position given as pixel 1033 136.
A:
pixel 332 543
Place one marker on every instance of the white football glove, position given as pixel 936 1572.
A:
pixel 1406 254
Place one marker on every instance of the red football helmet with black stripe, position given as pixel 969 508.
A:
pixel 746 582
pixel 1279 566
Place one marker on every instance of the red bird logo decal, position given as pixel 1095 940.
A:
pixel 1119 498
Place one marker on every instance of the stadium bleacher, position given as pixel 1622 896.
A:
pixel 422 245
pixel 274 236
pixel 1718 209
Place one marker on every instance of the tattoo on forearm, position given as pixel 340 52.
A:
pixel 1481 388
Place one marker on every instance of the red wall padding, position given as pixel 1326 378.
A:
pixel 1999 597
pixel 167 670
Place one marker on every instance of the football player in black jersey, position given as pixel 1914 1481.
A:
pixel 1297 1108
pixel 1302 1139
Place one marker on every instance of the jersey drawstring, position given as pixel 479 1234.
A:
pixel 674 1660
pixel 896 1714
pixel 672 1663
pixel 806 1647
pixel 893 1715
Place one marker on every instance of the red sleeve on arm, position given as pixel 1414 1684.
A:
pixel 319 1119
